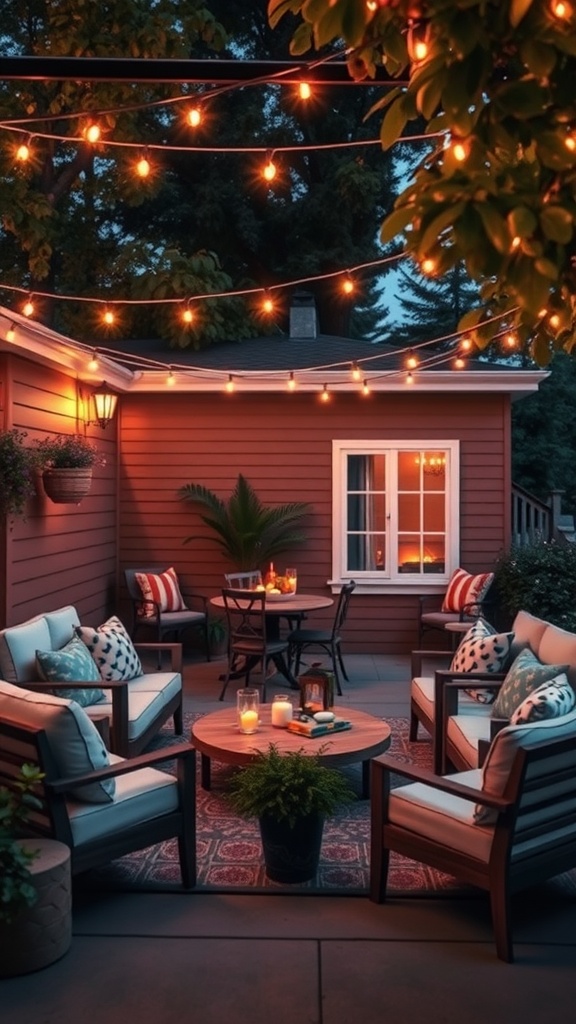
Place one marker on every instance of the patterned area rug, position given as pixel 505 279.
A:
pixel 230 853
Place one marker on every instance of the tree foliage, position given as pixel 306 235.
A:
pixel 494 81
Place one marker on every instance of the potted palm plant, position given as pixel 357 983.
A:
pixel 66 463
pixel 248 532
pixel 291 794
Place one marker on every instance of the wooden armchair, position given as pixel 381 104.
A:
pixel 146 806
pixel 503 828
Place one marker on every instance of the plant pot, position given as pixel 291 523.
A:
pixel 67 486
pixel 41 934
pixel 292 854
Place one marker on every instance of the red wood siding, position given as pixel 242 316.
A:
pixel 283 445
pixel 62 554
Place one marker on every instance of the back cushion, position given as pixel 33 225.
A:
pixel 76 744
pixel 525 674
pixel 528 631
pixel 18 646
pixel 61 625
pixel 559 645
pixel 112 650
pixel 503 749
pixel 464 590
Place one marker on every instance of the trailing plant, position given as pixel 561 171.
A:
pixel 67 451
pixel 287 786
pixel 248 532
pixel 16 889
pixel 539 578
pixel 16 473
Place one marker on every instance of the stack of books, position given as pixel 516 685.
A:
pixel 309 727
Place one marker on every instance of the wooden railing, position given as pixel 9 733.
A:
pixel 534 520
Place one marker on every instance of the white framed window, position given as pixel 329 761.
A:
pixel 396 512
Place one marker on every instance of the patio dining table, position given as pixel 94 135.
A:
pixel 276 607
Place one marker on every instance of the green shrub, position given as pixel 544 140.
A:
pixel 539 578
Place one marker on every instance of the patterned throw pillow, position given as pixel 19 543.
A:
pixel 163 590
pixel 481 650
pixel 112 650
pixel 526 674
pixel 551 700
pixel 71 663
pixel 464 590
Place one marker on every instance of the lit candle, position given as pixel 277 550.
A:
pixel 249 721
pixel 281 713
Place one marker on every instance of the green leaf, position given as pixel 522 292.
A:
pixel 557 224
pixel 429 96
pixel 538 57
pixel 394 123
pixel 395 223
pixel 518 8
pixel 278 8
pixel 495 227
pixel 301 41
pixel 432 234
pixel 547 268
pixel 522 222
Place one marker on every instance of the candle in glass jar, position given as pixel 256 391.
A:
pixel 249 721
pixel 281 712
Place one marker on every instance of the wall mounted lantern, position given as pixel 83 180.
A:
pixel 104 404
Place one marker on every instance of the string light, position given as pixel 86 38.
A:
pixel 109 317
pixel 28 307
pixel 348 285
pixel 23 152
pixel 291 385
pixel 459 363
pixel 561 10
pixel 143 167
pixel 411 361
pixel 409 377
pixel 267 305
pixel 325 394
pixel 193 117
pixel 230 384
pixel 304 91
pixel 554 321
pixel 460 151
pixel 93 364
pixel 365 388
pixel 510 340
pixel 515 242
pixel 187 315
pixel 428 265
pixel 355 371
pixel 11 332
pixel 170 379
pixel 269 171
pixel 93 132
pixel 466 344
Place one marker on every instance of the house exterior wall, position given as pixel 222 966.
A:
pixel 62 554
pixel 282 443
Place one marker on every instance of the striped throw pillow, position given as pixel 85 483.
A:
pixel 464 590
pixel 163 589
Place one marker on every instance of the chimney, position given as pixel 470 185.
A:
pixel 303 316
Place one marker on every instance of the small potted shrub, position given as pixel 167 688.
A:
pixel 16 473
pixel 66 463
pixel 291 794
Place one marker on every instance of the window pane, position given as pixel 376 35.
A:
pixel 409 512
pixel 366 513
pixel 409 471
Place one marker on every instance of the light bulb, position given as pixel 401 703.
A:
pixel 365 388
pixel 561 10
pixel 23 152
pixel 409 377
pixel 28 307
pixel 92 132
pixel 267 305
pixel 348 286
pixel 460 151
pixel 109 317
pixel 570 143
pixel 230 384
pixel 428 266
pixel 187 315
pixel 194 117
pixel 355 371
pixel 304 91
pixel 515 242
pixel 269 171
pixel 325 395
pixel 170 379
pixel 11 333
pixel 143 167
pixel 554 321
pixel 291 385
pixel 511 340
pixel 412 361
pixel 459 363
pixel 466 344
pixel 93 364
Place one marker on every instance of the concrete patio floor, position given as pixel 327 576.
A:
pixel 213 958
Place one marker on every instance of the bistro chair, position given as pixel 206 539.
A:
pixel 248 643
pixel 165 605
pixel 249 581
pixel 328 640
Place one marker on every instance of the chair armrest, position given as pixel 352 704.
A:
pixel 430 602
pixel 174 650
pixel 76 684
pixel 194 597
pixel 385 763
pixel 447 684
pixel 132 764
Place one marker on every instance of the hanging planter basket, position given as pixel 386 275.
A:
pixel 67 486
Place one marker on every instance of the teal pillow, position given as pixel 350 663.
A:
pixel 525 674
pixel 72 662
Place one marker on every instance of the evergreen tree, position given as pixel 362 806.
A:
pixel 433 306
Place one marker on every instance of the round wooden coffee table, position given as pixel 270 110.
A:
pixel 216 736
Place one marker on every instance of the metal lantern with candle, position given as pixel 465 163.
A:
pixel 248 710
pixel 316 689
